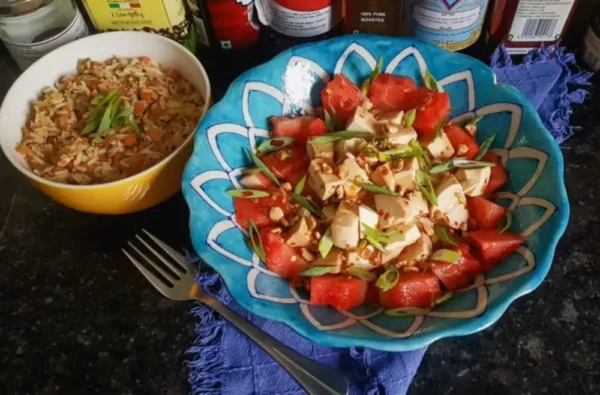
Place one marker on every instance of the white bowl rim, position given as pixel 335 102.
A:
pixel 207 100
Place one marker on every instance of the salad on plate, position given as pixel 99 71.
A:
pixel 376 198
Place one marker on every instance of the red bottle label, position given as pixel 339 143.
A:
pixel 232 23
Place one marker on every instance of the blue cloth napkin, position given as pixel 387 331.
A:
pixel 549 77
pixel 227 363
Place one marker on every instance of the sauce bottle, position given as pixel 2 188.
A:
pixel 522 25
pixel 383 17
pixel 225 24
pixel 450 24
pixel 291 22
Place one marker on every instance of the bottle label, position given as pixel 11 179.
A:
pixel 451 24
pixel 537 20
pixel 165 17
pixel 26 54
pixel 305 18
pixel 591 50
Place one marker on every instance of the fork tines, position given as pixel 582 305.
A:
pixel 162 265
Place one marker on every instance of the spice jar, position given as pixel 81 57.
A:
pixel 32 28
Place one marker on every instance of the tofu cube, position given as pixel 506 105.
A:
pixel 393 210
pixel 300 234
pixel 343 148
pixel 315 151
pixel 411 235
pixel 367 216
pixel 362 121
pixel 345 228
pixel 364 259
pixel 416 252
pixel 440 148
pixel 321 178
pixel 394 118
pixel 401 135
pixel 384 177
pixel 405 178
pixel 456 218
pixel 449 194
pixel 419 203
pixel 474 181
pixel 334 258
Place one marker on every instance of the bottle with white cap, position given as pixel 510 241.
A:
pixel 32 28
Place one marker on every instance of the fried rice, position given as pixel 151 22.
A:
pixel 64 140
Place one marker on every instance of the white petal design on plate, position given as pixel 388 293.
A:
pixel 526 152
pixel 253 133
pixel 213 235
pixel 357 317
pixel 533 201
pixel 398 335
pixel 260 87
pixel 297 91
pixel 297 296
pixel 233 177
pixel 251 283
pixel 459 119
pixel 503 153
pixel 478 282
pixel 215 130
pixel 410 51
pixel 482 298
pixel 529 265
pixel 509 196
pixel 515 119
pixel 361 51
pixel 210 175
pixel 305 308
pixel 467 76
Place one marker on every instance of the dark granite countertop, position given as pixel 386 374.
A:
pixel 77 318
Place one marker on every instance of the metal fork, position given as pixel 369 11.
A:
pixel 178 283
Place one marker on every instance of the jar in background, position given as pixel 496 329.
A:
pixel 591 44
pixel 383 17
pixel 164 17
pixel 450 24
pixel 32 28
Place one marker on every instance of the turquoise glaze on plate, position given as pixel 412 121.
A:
pixel 291 82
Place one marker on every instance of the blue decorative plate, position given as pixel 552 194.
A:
pixel 292 82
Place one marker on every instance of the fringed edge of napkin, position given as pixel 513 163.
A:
pixel 208 373
pixel 558 122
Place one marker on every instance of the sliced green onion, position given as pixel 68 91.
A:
pixel 374 188
pixel 329 121
pixel 459 163
pixel 444 235
pixel 247 193
pixel 125 113
pixel 97 140
pixel 259 163
pixel 300 186
pixel 361 273
pixel 405 312
pixel 255 240
pixel 485 146
pixel 388 279
pixel 274 144
pixel 383 238
pixel 439 128
pixel 318 271
pixel 473 121
pixel 409 118
pixel 506 222
pixel 430 82
pixel 336 136
pixel 443 298
pixel 92 124
pixel 366 85
pixel 375 243
pixel 425 186
pixel 308 204
pixel 107 117
pixel 325 244
pixel 251 171
pixel 445 255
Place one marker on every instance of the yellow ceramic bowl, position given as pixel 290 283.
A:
pixel 137 192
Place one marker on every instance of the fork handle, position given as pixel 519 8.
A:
pixel 315 378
